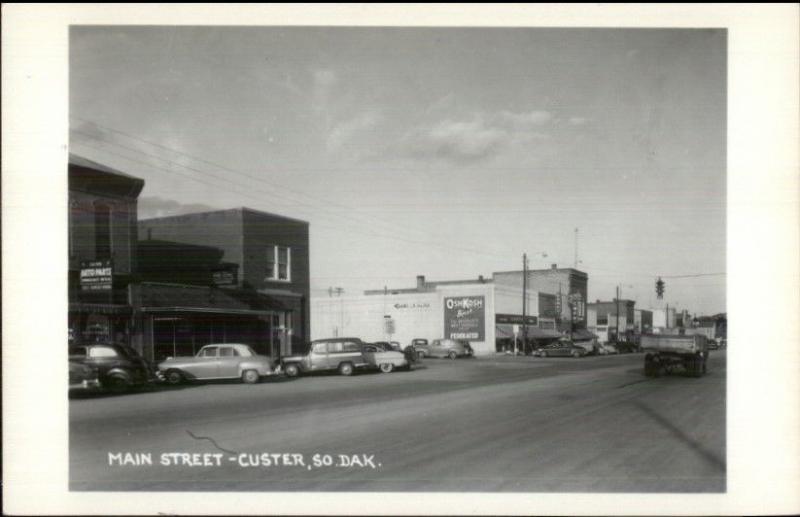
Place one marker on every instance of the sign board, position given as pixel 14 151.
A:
pixel 388 324
pixel 515 319
pixel 464 317
pixel 96 275
pixel 223 277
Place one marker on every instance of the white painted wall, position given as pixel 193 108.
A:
pixel 415 315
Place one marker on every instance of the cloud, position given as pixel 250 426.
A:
pixel 578 121
pixel 154 206
pixel 476 139
pixel 343 133
pixel 324 82
pixel 527 120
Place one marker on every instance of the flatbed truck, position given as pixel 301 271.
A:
pixel 667 352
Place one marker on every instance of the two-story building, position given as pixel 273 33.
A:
pixel 255 267
pixel 102 239
pixel 569 287
pixel 612 321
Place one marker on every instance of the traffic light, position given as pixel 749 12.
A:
pixel 660 288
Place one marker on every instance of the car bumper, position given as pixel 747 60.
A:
pixel 85 385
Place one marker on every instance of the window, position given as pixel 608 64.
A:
pixel 77 353
pixel 209 352
pixel 602 320
pixel 319 348
pixel 102 351
pixel 335 347
pixel 349 346
pixel 279 263
pixel 102 231
pixel 228 352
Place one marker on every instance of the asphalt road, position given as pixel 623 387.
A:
pixel 498 424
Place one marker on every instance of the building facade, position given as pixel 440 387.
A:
pixel 567 286
pixel 103 208
pixel 473 310
pixel 256 286
pixel 613 320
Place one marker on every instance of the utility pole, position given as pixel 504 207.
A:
pixel 576 249
pixel 617 314
pixel 524 300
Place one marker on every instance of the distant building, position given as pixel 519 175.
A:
pixel 613 320
pixel 568 286
pixel 102 242
pixel 473 309
pixel 642 321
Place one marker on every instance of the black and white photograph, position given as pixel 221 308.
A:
pixel 400 260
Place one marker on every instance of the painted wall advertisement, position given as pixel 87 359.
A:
pixel 464 317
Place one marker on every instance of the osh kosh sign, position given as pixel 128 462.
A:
pixel 464 317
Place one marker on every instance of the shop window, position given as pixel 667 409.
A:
pixel 102 231
pixel 279 262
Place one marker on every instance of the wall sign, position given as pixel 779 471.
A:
pixel 464 317
pixel 96 275
pixel 515 319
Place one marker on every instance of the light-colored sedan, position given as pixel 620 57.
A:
pixel 224 361
pixel 384 359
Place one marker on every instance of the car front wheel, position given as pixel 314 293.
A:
pixel 174 377
pixel 346 369
pixel 387 367
pixel 250 376
pixel 291 370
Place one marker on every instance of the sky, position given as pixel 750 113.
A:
pixel 444 152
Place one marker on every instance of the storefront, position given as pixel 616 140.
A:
pixel 177 320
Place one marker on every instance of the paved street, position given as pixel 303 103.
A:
pixel 489 424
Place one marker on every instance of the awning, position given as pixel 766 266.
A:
pixel 582 335
pixel 189 298
pixel 506 330
pixel 100 308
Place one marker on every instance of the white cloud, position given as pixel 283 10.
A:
pixel 154 206
pixel 345 131
pixel 477 138
pixel 578 121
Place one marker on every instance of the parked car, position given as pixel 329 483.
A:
pixel 450 348
pixel 606 349
pixel 384 359
pixel 218 361
pixel 561 348
pixel 119 367
pixel 333 354
pixel 420 346
pixel 626 347
pixel 389 345
pixel 83 377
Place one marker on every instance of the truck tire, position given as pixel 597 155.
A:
pixel 291 370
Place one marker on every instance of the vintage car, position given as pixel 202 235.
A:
pixel 342 354
pixel 389 345
pixel 561 348
pixel 450 348
pixel 221 361
pixel 119 367
pixel 384 359
pixel 82 377
pixel 606 349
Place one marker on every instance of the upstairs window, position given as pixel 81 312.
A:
pixel 279 263
pixel 102 231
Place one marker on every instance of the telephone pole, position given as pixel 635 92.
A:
pixel 524 300
pixel 617 338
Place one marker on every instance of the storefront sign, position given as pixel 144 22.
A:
pixel 515 319
pixel 464 317
pixel 413 305
pixel 96 275
pixel 224 277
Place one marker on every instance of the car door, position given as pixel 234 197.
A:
pixel 436 348
pixel 206 366
pixel 228 362
pixel 318 357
